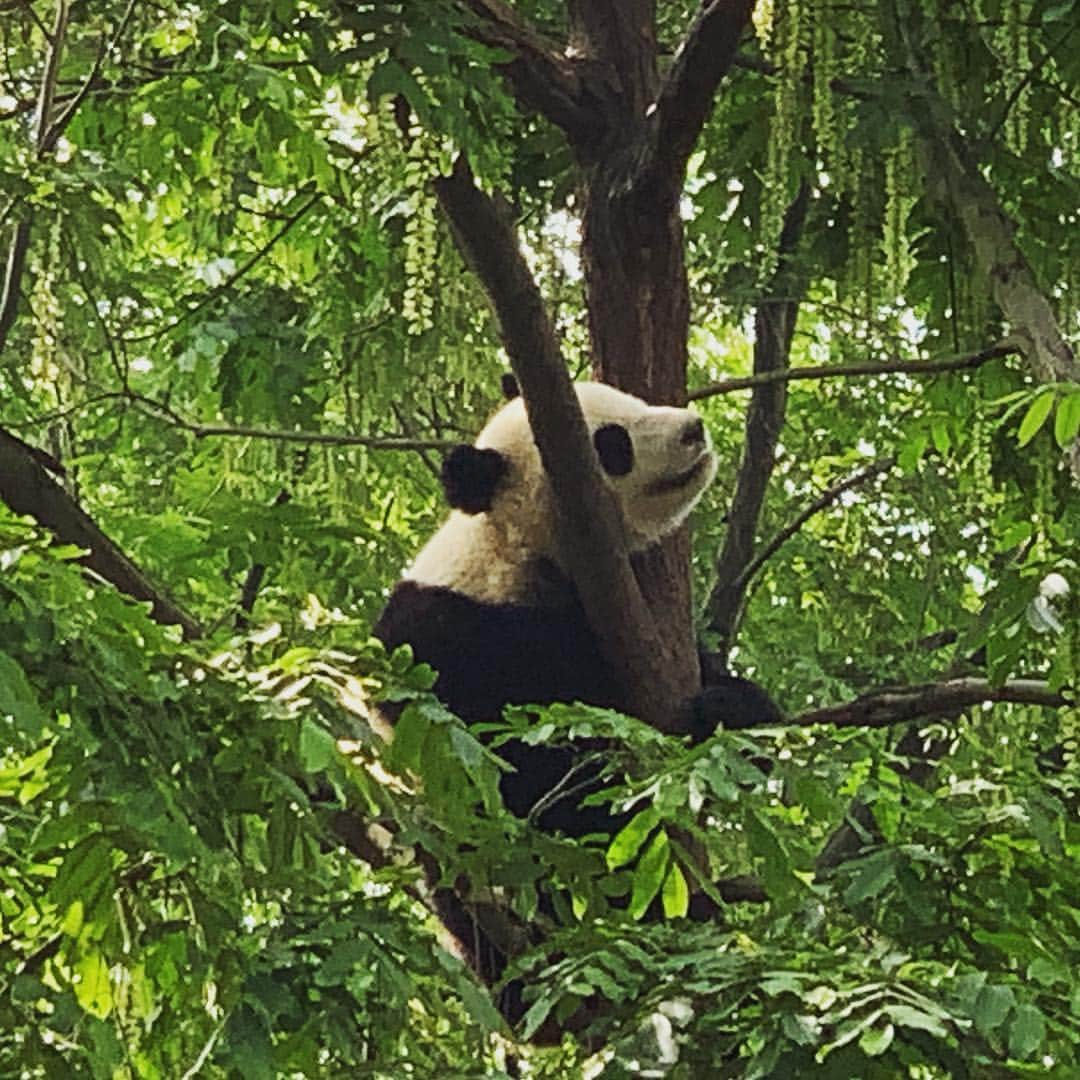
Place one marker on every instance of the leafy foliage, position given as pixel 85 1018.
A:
pixel 233 247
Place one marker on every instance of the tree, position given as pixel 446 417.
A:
pixel 235 327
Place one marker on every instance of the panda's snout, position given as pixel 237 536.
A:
pixel 694 432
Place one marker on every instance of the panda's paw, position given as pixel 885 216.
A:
pixel 731 703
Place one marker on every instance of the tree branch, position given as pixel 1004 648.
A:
pixel 26 487
pixel 883 708
pixel 329 438
pixel 20 240
pixel 928 366
pixel 158 410
pixel 48 77
pixel 541 75
pixel 774 323
pixel 588 527
pixel 686 97
pixel 956 181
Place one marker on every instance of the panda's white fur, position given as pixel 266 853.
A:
pixel 491 556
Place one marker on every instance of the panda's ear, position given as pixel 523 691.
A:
pixel 509 385
pixel 470 478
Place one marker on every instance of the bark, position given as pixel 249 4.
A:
pixel 540 71
pixel 633 247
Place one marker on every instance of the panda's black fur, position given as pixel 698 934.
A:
pixel 489 606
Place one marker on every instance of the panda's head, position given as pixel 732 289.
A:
pixel 658 460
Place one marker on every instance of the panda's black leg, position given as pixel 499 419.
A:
pixel 731 703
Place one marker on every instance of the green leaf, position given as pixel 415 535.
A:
pixel 1027 1031
pixel 1035 417
pixel 875 1041
pixel 318 748
pixel 1067 419
pixel 991 1007
pixel 92 987
pixel 18 698
pixel 909 1016
pixel 84 873
pixel 479 1005
pixel 874 873
pixel 627 842
pixel 649 874
pixel 766 847
pixel 675 895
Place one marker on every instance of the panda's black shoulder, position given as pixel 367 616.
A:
pixel 489 655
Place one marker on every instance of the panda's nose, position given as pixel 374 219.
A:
pixel 694 432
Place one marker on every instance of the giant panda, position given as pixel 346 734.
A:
pixel 489 604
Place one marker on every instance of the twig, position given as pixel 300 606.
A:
pixel 49 139
pixel 964 362
pixel 204 1053
pixel 219 290
pixel 158 410
pixel 372 442
pixel 13 272
pixel 774 325
pixel 48 77
pixel 1030 74
pixel 824 500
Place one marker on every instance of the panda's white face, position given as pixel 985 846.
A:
pixel 658 461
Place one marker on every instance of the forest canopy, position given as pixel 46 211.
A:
pixel 264 264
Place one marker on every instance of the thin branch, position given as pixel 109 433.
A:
pixel 761 66
pixel 589 530
pixel 158 410
pixel 218 291
pixel 372 442
pixel 823 501
pixel 49 138
pixel 27 488
pixel 48 77
pixel 687 95
pixel 883 708
pixel 1029 75
pixel 20 241
pixel 774 323
pixel 929 366
pixel 13 272
pixel 119 367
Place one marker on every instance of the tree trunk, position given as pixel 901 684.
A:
pixel 632 132
pixel 636 286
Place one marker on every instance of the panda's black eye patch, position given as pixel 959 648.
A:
pixel 614 448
